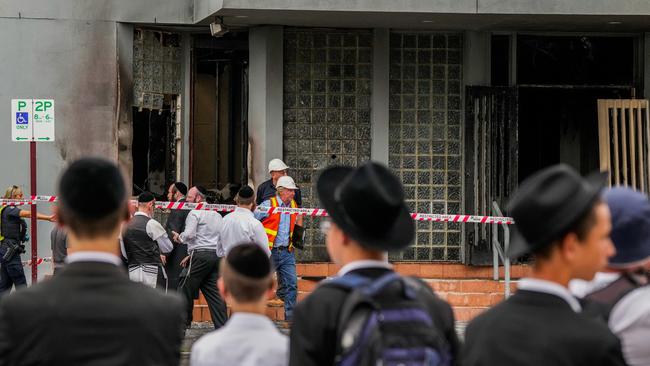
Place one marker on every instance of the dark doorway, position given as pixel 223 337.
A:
pixel 561 125
pixel 560 79
pixel 154 149
pixel 219 132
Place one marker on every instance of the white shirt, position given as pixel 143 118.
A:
pixel 551 288
pixel 156 232
pixel 241 227
pixel 92 256
pixel 629 319
pixel 202 231
pixel 366 263
pixel 247 339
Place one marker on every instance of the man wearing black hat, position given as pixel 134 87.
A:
pixel 202 236
pixel 560 220
pixel 368 218
pixel 143 241
pixel 621 292
pixel 91 313
pixel 241 226
pixel 175 223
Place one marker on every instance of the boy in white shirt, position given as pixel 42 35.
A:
pixel 249 338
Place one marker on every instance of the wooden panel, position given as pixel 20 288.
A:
pixel 623 136
pixel 640 147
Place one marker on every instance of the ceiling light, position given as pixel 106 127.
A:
pixel 614 22
pixel 427 21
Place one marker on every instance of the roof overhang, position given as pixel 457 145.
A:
pixel 495 15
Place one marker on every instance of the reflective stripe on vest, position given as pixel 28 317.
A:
pixel 272 223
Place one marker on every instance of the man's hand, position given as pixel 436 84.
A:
pixel 163 259
pixel 176 237
pixel 184 261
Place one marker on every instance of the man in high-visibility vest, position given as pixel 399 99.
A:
pixel 279 230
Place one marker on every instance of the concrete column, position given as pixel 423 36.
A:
pixel 380 93
pixel 265 98
pixel 186 107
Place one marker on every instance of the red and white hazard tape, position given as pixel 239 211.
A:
pixel 315 212
pixel 38 261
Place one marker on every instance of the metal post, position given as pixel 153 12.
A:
pixel 34 221
pixel 495 251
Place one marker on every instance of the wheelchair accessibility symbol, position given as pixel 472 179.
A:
pixel 22 118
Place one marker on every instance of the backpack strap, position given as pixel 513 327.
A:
pixel 611 294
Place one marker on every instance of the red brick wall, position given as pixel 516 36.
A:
pixel 469 290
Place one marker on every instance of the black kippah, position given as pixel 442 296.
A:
pixel 249 260
pixel 202 190
pixel 181 187
pixel 92 187
pixel 146 197
pixel 246 192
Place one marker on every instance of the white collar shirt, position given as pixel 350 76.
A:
pixel 202 231
pixel 241 227
pixel 362 264
pixel 551 288
pixel 93 256
pixel 247 339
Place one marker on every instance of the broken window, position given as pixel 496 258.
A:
pixel 156 96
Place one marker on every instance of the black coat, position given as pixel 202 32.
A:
pixel 175 222
pixel 313 334
pixel 90 314
pixel 534 328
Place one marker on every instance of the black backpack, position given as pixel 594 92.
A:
pixel 386 322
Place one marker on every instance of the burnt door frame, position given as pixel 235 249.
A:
pixel 491 161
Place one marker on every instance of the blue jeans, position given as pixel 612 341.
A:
pixel 285 266
pixel 11 273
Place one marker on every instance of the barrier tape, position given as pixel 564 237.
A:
pixel 314 212
pixel 39 261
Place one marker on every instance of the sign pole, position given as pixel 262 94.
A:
pixel 34 239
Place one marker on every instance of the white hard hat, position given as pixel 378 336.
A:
pixel 277 165
pixel 286 182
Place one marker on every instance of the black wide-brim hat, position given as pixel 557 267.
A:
pixel 548 204
pixel 367 203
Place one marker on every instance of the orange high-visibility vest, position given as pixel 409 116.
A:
pixel 272 223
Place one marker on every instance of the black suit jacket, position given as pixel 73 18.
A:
pixel 313 334
pixel 534 328
pixel 90 314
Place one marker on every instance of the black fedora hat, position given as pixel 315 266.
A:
pixel 548 204
pixel 367 203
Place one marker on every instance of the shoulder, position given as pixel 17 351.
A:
pixel 326 299
pixel 154 223
pixel 12 211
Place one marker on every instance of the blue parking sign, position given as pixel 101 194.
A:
pixel 22 118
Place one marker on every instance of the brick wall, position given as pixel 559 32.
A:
pixel 469 290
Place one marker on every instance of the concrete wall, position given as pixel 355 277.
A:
pixel 73 62
pixel 132 11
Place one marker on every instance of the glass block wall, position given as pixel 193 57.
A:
pixel 327 87
pixel 156 67
pixel 425 136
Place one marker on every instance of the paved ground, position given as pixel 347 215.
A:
pixel 199 329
